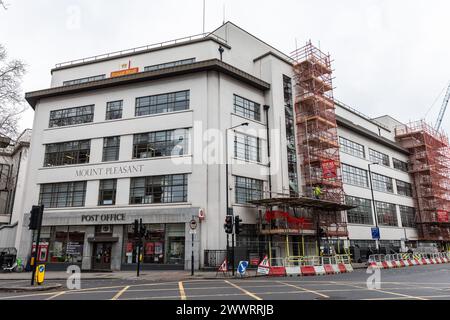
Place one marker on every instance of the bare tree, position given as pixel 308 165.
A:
pixel 11 97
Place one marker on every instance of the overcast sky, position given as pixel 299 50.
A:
pixel 390 56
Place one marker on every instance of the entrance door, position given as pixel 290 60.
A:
pixel 102 256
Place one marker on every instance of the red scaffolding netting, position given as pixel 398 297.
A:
pixel 429 163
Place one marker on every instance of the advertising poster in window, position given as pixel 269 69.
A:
pixel 158 247
pixel 74 248
pixel 149 248
pixel 129 248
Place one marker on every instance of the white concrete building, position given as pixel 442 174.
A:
pixel 13 166
pixel 140 134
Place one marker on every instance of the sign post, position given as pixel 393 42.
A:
pixel 375 233
pixel 193 231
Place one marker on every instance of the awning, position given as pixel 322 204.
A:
pixel 103 239
pixel 303 202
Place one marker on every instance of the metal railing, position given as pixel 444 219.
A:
pixel 140 49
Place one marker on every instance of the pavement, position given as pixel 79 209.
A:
pixel 430 282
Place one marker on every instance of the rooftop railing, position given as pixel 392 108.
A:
pixel 140 49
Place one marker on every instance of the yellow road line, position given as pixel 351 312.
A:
pixel 56 295
pixel 244 291
pixel 182 292
pixel 301 288
pixel 121 292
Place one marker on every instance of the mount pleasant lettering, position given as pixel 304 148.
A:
pixel 109 171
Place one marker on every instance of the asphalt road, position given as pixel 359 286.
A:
pixel 430 282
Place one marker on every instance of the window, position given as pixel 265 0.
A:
pixel 107 192
pixel 65 153
pixel 290 136
pixel 362 214
pixel 5 170
pixel 355 176
pixel 352 148
pixel 161 103
pixel 111 148
pixel 159 189
pixel 71 116
pixel 114 110
pixel 64 194
pixel 246 147
pixel 169 64
pixel 84 80
pixel 248 189
pixel 160 143
pixel 246 108
pixel 408 215
pixel 387 213
pixel 379 157
pixel 382 183
pixel 404 188
pixel 400 165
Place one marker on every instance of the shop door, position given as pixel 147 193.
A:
pixel 102 256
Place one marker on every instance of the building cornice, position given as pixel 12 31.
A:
pixel 206 65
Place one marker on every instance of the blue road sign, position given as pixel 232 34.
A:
pixel 375 233
pixel 242 267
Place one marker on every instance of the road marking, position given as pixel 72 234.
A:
pixel 243 290
pixel 182 292
pixel 388 292
pixel 121 292
pixel 27 295
pixel 56 295
pixel 301 288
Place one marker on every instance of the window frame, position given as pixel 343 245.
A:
pixel 102 190
pixel 379 180
pixel 107 148
pixel 149 142
pixel 56 194
pixel 407 187
pixel 65 151
pixel 248 189
pixel 351 147
pixel 64 119
pixel 108 113
pixel 400 165
pixel 149 189
pixel 408 216
pixel 381 216
pixel 170 64
pixel 379 157
pixel 245 110
pixel 363 217
pixel 250 152
pixel 355 176
pixel 164 107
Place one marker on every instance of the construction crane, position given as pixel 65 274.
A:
pixel 443 108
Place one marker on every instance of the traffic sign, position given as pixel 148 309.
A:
pixel 242 267
pixel 375 233
pixel 192 231
pixel 193 224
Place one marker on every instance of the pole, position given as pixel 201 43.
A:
pixel 38 239
pixel 192 249
pixel 377 245
pixel 139 248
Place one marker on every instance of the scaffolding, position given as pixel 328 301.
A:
pixel 318 144
pixel 429 164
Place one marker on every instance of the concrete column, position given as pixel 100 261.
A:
pixel 116 252
pixel 86 264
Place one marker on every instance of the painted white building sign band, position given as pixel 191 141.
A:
pixel 103 217
pixel 127 169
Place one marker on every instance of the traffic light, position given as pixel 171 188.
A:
pixel 322 232
pixel 142 229
pixel 237 225
pixel 228 226
pixel 136 228
pixel 35 217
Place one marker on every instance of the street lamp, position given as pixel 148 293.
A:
pixel 228 189
pixel 377 244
